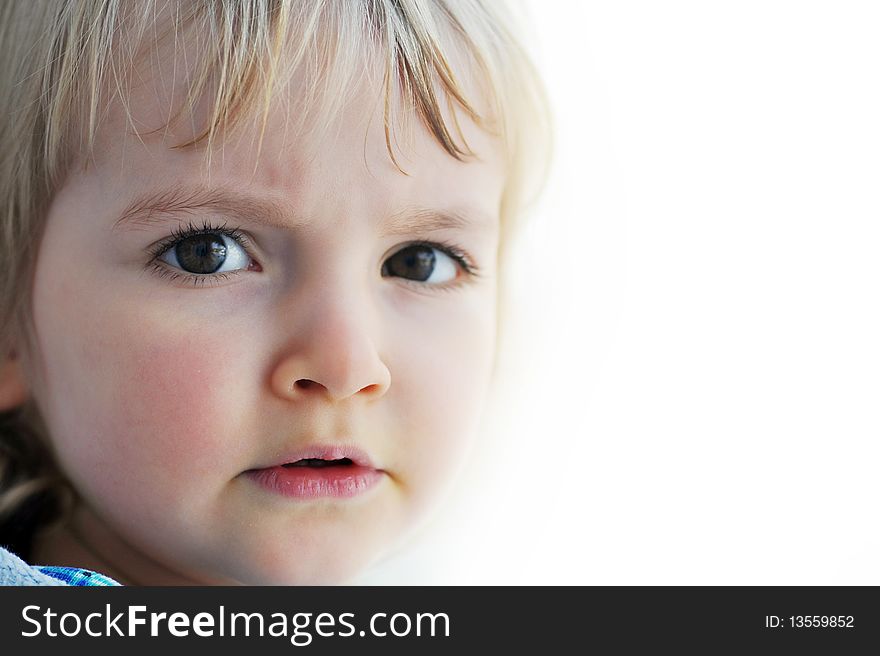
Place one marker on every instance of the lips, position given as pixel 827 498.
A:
pixel 319 471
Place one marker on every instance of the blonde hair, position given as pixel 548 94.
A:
pixel 66 61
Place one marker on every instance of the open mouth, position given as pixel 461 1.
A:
pixel 320 463
pixel 320 471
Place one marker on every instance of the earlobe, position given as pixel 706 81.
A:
pixel 13 391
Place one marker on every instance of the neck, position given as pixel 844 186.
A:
pixel 85 541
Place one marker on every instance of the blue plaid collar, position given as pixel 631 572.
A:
pixel 76 576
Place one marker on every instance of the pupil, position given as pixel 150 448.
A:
pixel 415 263
pixel 201 253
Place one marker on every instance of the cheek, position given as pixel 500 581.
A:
pixel 144 399
pixel 442 377
pixel 175 394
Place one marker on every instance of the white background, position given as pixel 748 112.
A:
pixel 696 398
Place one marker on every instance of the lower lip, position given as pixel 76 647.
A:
pixel 316 482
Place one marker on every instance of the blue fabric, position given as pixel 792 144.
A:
pixel 14 571
pixel 77 576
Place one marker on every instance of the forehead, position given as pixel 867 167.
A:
pixel 348 172
pixel 345 175
pixel 310 118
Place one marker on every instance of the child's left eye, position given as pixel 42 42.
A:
pixel 421 263
pixel 433 264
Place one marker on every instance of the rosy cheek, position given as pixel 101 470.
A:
pixel 174 403
pixel 156 418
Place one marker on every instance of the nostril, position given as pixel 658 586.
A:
pixel 305 383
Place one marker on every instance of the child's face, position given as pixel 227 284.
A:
pixel 173 396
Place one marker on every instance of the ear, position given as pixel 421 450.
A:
pixel 13 390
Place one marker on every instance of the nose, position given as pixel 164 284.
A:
pixel 334 355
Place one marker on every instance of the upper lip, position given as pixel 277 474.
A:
pixel 324 452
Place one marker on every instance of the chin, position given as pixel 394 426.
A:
pixel 297 575
pixel 300 564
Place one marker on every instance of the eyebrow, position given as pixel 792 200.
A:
pixel 159 207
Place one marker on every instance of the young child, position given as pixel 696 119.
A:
pixel 250 255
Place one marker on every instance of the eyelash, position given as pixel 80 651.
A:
pixel 178 234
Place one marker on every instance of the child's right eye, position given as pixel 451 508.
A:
pixel 207 253
pixel 202 254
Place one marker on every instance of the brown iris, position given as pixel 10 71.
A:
pixel 201 253
pixel 413 262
